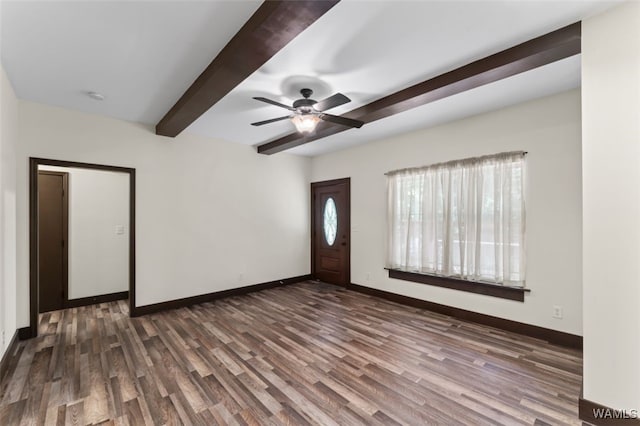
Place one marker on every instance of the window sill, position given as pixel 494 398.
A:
pixel 494 290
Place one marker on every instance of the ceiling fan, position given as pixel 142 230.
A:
pixel 307 113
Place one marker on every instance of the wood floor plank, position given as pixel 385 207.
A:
pixel 305 354
pixel 75 414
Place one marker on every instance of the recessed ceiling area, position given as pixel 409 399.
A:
pixel 142 56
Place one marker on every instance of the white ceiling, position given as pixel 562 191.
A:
pixel 142 56
pixel 544 81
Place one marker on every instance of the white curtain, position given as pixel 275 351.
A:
pixel 462 219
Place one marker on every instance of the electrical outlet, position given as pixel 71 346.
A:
pixel 557 311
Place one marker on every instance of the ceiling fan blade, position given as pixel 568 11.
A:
pixel 331 102
pixel 260 123
pixel 342 120
pixel 269 101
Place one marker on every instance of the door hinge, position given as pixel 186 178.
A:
pixel 62 243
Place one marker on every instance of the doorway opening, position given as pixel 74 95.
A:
pixel 331 231
pixel 81 236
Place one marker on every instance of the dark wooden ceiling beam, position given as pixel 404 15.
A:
pixel 269 29
pixel 543 50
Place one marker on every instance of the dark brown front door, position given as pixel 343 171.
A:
pixel 52 240
pixel 331 231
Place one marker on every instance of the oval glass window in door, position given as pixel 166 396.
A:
pixel 330 221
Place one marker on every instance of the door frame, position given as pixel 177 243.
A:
pixel 315 185
pixel 33 232
pixel 65 232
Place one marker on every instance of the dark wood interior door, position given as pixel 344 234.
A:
pixel 331 231
pixel 52 240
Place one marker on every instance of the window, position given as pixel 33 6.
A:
pixel 330 221
pixel 462 219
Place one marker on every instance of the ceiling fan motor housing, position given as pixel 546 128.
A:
pixel 306 102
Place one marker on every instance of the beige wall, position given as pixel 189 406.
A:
pixel 549 129
pixel 611 190
pixel 8 143
pixel 210 215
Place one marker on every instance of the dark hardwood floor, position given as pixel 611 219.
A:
pixel 307 353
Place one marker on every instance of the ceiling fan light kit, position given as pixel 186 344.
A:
pixel 307 112
pixel 305 123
